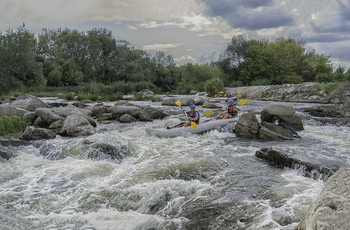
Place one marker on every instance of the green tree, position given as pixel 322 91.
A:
pixel 213 85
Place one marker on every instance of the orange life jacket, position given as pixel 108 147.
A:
pixel 192 115
pixel 233 111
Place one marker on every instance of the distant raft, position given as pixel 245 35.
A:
pixel 204 126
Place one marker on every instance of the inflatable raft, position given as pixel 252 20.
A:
pixel 204 126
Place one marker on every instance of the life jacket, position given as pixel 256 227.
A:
pixel 232 111
pixel 192 115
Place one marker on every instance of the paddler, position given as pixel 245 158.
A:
pixel 193 115
pixel 232 111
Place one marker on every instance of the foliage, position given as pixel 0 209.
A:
pixel 12 125
pixel 213 85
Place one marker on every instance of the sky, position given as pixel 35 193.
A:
pixel 195 31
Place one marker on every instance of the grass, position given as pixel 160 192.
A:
pixel 12 126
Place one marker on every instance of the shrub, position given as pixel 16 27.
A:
pixel 213 85
pixel 324 77
pixel 262 81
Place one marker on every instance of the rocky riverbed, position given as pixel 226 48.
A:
pixel 185 182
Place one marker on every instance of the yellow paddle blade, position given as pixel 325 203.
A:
pixel 209 99
pixel 243 102
pixel 193 125
pixel 208 113
pixel 239 95
pixel 221 92
pixel 178 103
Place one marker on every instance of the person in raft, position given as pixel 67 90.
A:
pixel 232 111
pixel 193 115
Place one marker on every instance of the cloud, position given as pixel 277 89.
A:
pixel 162 47
pixel 250 15
pixel 185 59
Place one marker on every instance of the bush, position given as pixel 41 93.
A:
pixel 235 84
pixel 262 81
pixel 12 126
pixel 292 79
pixel 324 77
pixel 213 85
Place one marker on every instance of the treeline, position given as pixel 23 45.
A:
pixel 69 58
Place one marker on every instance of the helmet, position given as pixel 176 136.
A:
pixel 192 106
pixel 230 101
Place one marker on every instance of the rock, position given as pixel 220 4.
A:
pixel 314 170
pixel 147 93
pixel 32 133
pixel 30 116
pixel 283 113
pixel 29 102
pixel 105 151
pixel 340 95
pixel 6 101
pixel 185 101
pixel 97 110
pixel 11 111
pixel 120 110
pixel 126 118
pixel 129 97
pixel 40 123
pixel 193 92
pixel 123 102
pixel 5 156
pixel 149 114
pixel 106 116
pixel 200 100
pixel 208 104
pixel 247 126
pixel 324 111
pixel 57 125
pixel 331 208
pixel 202 94
pixel 47 116
pixel 75 125
pixel 72 110
pixel 271 132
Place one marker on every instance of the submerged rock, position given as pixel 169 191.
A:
pixel 106 151
pixel 325 111
pixel 331 209
pixel 310 169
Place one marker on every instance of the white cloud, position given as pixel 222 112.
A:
pixel 162 47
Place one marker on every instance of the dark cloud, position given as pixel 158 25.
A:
pixel 336 22
pixel 241 14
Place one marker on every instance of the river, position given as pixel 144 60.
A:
pixel 209 181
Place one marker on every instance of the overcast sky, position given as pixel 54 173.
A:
pixel 193 30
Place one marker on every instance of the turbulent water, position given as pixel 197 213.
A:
pixel 123 178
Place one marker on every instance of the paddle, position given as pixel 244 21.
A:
pixel 243 102
pixel 193 124
pixel 208 113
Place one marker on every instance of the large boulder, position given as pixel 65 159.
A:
pixel 104 150
pixel 331 209
pixel 29 102
pixel 126 118
pixel 185 101
pixel 247 126
pixel 47 116
pixel 283 113
pixel 200 100
pixel 149 114
pixel 120 110
pixel 11 111
pixel 32 133
pixel 271 132
pixel 76 125
pixel 72 110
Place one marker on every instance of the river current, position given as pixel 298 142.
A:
pixel 208 181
